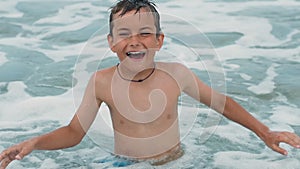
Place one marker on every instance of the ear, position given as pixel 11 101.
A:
pixel 111 43
pixel 160 41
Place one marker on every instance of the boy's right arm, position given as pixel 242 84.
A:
pixel 63 137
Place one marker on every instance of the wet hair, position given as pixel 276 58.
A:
pixel 129 5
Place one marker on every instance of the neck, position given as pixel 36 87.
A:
pixel 140 76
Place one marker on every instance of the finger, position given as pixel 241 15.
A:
pixel 279 149
pixel 23 152
pixel 20 156
pixel 9 153
pixel 3 155
pixel 291 139
pixel 295 140
pixel 5 162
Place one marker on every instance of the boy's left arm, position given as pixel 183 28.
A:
pixel 236 113
pixel 194 87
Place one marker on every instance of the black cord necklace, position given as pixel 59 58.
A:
pixel 132 80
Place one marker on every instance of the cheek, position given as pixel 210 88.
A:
pixel 119 45
pixel 155 45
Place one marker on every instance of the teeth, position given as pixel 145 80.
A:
pixel 135 54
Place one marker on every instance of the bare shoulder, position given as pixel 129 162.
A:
pixel 171 66
pixel 104 76
pixel 101 80
pixel 175 69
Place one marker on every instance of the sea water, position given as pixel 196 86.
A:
pixel 49 49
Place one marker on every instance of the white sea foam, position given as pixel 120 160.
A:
pixel 256 33
pixel 234 133
pixel 67 16
pixel 18 41
pixel 286 115
pixel 268 84
pixel 8 9
pixel 22 106
pixel 236 160
pixel 245 76
pixel 3 59
pixel 70 21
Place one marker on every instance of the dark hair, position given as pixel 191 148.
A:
pixel 129 5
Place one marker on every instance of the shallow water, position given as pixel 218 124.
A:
pixel 49 49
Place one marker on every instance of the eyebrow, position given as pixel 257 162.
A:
pixel 146 27
pixel 128 29
pixel 123 29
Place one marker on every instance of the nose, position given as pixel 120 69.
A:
pixel 134 41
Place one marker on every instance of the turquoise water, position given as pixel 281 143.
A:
pixel 49 49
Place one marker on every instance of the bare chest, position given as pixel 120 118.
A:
pixel 144 110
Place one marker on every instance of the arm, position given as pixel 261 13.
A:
pixel 194 87
pixel 75 131
pixel 272 139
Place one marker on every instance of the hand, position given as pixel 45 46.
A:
pixel 273 139
pixel 16 152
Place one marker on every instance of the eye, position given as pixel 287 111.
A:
pixel 145 34
pixel 124 34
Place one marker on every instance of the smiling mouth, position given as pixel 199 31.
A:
pixel 136 55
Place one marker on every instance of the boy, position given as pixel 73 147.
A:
pixel 142 97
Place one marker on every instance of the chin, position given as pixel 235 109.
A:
pixel 137 66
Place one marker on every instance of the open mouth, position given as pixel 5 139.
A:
pixel 136 55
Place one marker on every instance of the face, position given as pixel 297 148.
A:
pixel 134 39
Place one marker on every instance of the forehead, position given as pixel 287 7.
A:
pixel 133 19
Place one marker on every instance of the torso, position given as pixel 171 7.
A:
pixel 144 115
